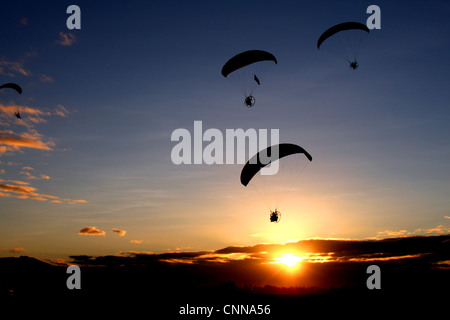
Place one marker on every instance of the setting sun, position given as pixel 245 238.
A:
pixel 289 260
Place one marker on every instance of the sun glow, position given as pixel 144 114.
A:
pixel 289 260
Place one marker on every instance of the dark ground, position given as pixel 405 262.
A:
pixel 415 278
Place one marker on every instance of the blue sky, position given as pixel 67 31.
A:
pixel 108 102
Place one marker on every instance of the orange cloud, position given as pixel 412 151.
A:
pixel 120 232
pixel 23 190
pixel 11 68
pixel 24 140
pixel 91 231
pixel 441 229
pixel 136 241
pixel 18 189
pixel 30 176
pixel 71 201
pixel 19 182
pixel 16 250
pixel 66 39
pixel 11 109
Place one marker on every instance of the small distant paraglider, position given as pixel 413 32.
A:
pixel 239 69
pixel 18 89
pixel 344 40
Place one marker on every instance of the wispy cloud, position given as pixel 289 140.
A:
pixel 45 78
pixel 91 231
pixel 66 39
pixel 13 142
pixel 30 176
pixel 13 68
pixel 23 190
pixel 440 229
pixel 61 111
pixel 16 250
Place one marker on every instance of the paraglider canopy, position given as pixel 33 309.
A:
pixel 341 27
pixel 12 86
pixel 246 58
pixel 255 164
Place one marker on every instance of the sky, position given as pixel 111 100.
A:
pixel 88 168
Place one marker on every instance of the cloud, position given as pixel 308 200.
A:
pixel 66 39
pixel 11 142
pixel 13 68
pixel 136 241
pixel 14 142
pixel 30 176
pixel 441 229
pixel 7 111
pixel 61 111
pixel 57 262
pixel 18 182
pixel 91 231
pixel 120 232
pixel 16 250
pixel 315 251
pixel 45 78
pixel 23 190
pixel 27 190
pixel 71 201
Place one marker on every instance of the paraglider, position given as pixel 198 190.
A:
pixel 275 216
pixel 240 68
pixel 277 152
pixel 344 40
pixel 18 90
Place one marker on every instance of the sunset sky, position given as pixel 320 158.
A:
pixel 88 169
